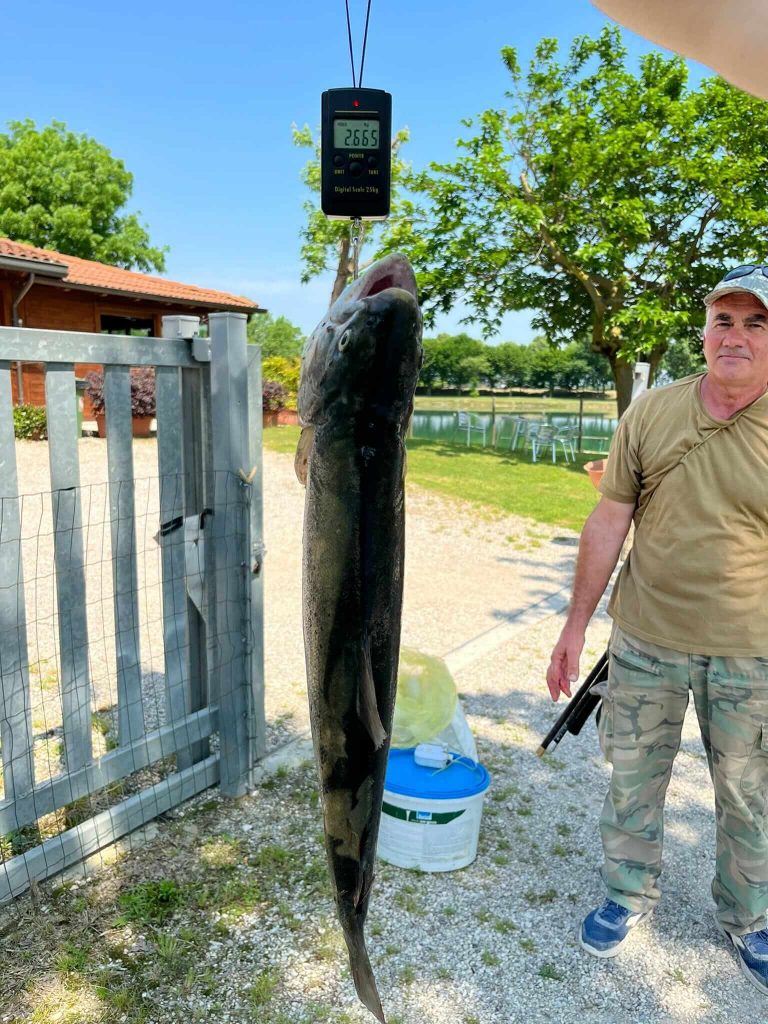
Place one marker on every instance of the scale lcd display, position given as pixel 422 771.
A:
pixel 355 133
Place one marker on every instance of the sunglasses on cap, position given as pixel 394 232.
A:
pixel 744 271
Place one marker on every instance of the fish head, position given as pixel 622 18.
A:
pixel 365 354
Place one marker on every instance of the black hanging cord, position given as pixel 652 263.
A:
pixel 349 33
pixel 357 85
pixel 365 40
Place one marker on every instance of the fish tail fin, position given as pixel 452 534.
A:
pixel 362 972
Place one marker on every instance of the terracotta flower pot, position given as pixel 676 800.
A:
pixel 140 425
pixel 596 470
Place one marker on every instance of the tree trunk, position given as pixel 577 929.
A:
pixel 342 269
pixel 655 360
pixel 623 376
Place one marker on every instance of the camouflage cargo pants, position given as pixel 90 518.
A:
pixel 640 727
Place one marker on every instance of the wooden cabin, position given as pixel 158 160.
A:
pixel 41 288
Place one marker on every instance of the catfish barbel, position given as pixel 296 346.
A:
pixel 358 377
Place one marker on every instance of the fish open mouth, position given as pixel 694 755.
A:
pixel 391 272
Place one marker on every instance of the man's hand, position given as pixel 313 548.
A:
pixel 564 663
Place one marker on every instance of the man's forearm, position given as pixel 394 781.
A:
pixel 599 550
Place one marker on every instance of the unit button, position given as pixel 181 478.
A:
pixel 356 168
pixel 372 161
pixel 338 161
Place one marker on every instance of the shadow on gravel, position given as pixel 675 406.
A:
pixel 543 813
pixel 226 914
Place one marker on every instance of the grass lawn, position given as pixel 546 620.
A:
pixel 559 495
pixel 533 404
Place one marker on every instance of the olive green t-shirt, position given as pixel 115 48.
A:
pixel 696 579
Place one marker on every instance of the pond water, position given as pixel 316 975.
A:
pixel 597 429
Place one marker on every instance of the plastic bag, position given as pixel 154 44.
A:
pixel 426 699
pixel 457 736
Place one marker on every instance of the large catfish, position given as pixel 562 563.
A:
pixel 358 377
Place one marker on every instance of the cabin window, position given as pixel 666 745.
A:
pixel 137 326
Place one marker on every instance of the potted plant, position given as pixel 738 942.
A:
pixel 596 470
pixel 273 399
pixel 143 402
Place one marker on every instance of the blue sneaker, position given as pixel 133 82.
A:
pixel 604 930
pixel 752 951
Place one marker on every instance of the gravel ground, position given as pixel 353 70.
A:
pixel 494 943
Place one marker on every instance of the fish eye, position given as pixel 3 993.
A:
pixel 343 341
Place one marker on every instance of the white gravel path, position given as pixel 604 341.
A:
pixel 495 943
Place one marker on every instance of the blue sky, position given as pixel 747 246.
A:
pixel 198 100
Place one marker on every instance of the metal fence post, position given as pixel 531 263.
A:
pixel 230 533
pixel 255 583
pixel 181 465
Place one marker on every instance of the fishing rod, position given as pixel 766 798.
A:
pixel 579 708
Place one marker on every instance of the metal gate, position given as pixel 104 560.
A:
pixel 206 526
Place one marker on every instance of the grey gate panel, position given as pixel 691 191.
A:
pixel 209 726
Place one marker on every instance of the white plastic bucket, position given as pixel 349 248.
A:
pixel 431 818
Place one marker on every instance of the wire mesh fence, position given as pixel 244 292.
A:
pixel 122 638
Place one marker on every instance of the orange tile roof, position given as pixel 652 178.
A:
pixel 102 277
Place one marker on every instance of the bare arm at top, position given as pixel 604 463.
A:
pixel 729 36
pixel 601 539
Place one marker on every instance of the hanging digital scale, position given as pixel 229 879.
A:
pixel 355 153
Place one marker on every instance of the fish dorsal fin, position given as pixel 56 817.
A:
pixel 367 708
pixel 303 451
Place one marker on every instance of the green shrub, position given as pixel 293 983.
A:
pixel 30 421
pixel 286 372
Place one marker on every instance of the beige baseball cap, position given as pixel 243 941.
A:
pixel 747 278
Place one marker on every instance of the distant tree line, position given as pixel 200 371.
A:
pixel 460 361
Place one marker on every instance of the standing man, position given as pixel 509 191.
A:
pixel 689 464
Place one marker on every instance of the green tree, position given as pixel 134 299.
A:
pixel 431 368
pixel 327 244
pixel 683 357
pixel 462 360
pixel 547 364
pixel 510 364
pixel 63 191
pixel 597 373
pixel 606 201
pixel 276 335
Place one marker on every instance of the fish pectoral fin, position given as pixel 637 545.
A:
pixel 367 708
pixel 303 451
pixel 363 891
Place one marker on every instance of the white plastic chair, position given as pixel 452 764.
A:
pixel 543 437
pixel 469 421
pixel 566 437
pixel 505 423
pixel 522 427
